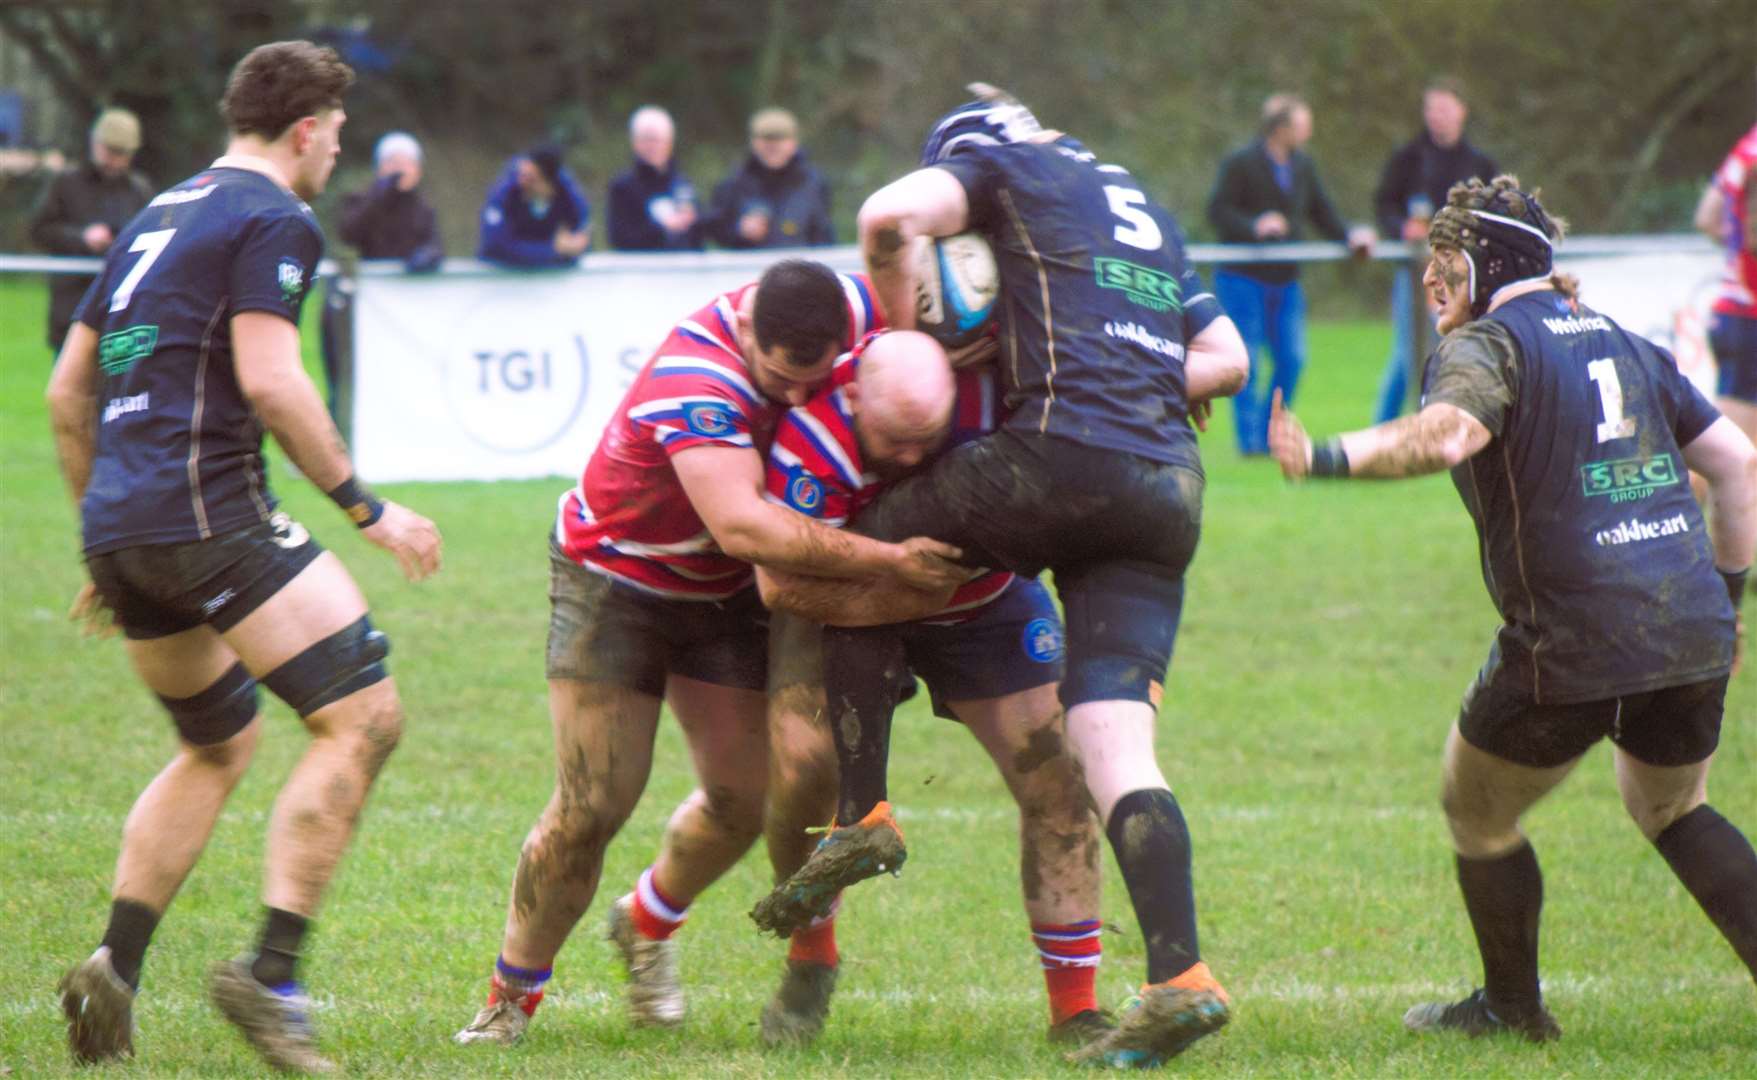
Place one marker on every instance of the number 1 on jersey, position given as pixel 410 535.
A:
pixel 152 245
pixel 1610 396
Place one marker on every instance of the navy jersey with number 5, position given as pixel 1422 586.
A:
pixel 179 449
pixel 1097 300
pixel 1593 547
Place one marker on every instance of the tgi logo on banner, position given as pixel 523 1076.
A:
pixel 518 396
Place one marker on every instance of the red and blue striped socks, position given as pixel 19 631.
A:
pixel 1070 953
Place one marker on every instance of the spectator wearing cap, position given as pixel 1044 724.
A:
pixel 1412 186
pixel 652 205
pixel 775 198
pixel 85 206
pixel 391 219
pixel 536 215
pixel 1267 192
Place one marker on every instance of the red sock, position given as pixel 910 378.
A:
pixel 1070 954
pixel 815 942
pixel 655 915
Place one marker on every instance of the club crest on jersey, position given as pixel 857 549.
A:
pixel 1043 641
pixel 709 419
pixel 805 493
pixel 291 277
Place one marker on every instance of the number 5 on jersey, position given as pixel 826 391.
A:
pixel 151 245
pixel 1138 229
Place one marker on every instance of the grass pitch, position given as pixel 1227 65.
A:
pixel 1328 635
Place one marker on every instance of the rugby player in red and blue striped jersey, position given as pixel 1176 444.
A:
pixel 652 599
pixel 990 653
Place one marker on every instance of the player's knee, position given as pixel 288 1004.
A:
pixel 230 757
pixel 377 730
pixel 215 716
pixel 1655 814
pixel 347 661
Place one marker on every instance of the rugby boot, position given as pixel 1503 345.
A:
pixel 277 1025
pixel 100 1010
pixel 795 1015
pixel 1475 1017
pixel 847 855
pixel 503 1019
pixel 1161 1022
pixel 1083 1028
pixel 655 995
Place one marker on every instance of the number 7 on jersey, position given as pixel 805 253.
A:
pixel 151 245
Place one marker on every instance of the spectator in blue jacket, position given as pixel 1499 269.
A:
pixel 536 215
pixel 652 205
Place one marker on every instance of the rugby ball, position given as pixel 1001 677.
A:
pixel 956 288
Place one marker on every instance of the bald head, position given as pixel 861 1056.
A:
pixel 902 400
pixel 651 134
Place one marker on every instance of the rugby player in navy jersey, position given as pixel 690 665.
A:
pixel 183 352
pixel 1568 439
pixel 1109 345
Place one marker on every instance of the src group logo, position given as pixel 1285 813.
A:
pixel 805 493
pixel 1043 641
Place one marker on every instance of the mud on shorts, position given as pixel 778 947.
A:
pixel 1679 725
pixel 1733 338
pixel 156 590
pixel 1012 643
pixel 1118 530
pixel 602 630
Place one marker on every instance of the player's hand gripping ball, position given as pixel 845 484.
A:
pixel 956 288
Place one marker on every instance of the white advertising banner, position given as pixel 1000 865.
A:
pixel 1663 296
pixel 482 374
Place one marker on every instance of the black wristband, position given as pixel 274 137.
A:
pixel 1735 584
pixel 359 504
pixel 1329 459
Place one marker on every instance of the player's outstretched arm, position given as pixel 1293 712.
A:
pixel 1724 456
pixel 1216 364
pixel 847 601
pixel 73 407
pixel 1439 437
pixel 725 485
pixel 1710 217
pixel 73 414
pixel 927 202
pixel 265 349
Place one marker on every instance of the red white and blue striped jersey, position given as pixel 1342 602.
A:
pixel 629 517
pixel 816 467
pixel 1738 285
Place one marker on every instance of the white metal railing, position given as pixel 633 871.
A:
pixel 848 257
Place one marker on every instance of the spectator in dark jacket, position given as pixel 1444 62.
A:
pixel 652 205
pixel 390 219
pixel 536 215
pixel 1266 193
pixel 84 208
pixel 775 198
pixel 1412 187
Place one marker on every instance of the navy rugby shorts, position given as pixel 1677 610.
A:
pixel 1734 341
pixel 1679 725
pixel 156 590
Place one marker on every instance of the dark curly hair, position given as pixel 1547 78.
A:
pixel 1456 227
pixel 278 84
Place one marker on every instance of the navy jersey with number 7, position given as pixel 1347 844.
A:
pixel 1593 547
pixel 179 449
pixel 1097 299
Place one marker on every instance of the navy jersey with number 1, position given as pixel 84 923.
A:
pixel 179 449
pixel 1098 301
pixel 1593 548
